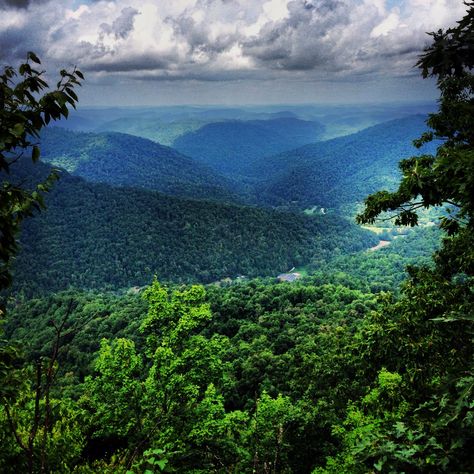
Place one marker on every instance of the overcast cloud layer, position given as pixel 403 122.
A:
pixel 246 42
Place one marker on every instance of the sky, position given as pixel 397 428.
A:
pixel 166 52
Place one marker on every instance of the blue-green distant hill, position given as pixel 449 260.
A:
pixel 126 160
pixel 340 171
pixel 232 147
pixel 334 173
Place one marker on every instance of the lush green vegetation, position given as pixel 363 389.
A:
pixel 22 116
pixel 97 236
pixel 247 376
pixel 381 270
pixel 212 368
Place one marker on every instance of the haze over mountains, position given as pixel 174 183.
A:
pixel 272 162
pixel 233 147
pixel 165 124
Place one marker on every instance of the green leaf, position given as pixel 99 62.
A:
pixel 33 57
pixel 162 464
pixel 18 130
pixel 379 465
pixel 157 451
pixel 71 93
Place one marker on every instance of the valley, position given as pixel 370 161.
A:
pixel 127 208
pixel 242 219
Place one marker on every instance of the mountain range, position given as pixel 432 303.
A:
pixel 232 147
pixel 98 236
pixel 127 208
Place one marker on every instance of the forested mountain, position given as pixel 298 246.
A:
pixel 232 147
pixel 342 170
pixel 333 173
pixel 99 236
pixel 127 160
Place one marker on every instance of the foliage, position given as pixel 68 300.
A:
pixel 37 431
pixel 447 177
pixel 324 375
pixel 426 337
pixel 197 377
pixel 25 107
pixel 168 393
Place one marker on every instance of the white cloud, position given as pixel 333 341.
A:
pixel 211 39
pixel 390 23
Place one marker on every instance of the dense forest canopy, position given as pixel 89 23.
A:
pixel 346 370
pixel 94 236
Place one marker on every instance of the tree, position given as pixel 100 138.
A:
pixel 39 432
pixel 168 400
pixel 448 177
pixel 185 374
pixel 422 344
pixel 26 106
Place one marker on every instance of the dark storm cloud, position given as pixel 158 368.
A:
pixel 139 63
pixel 16 41
pixel 221 40
pixel 302 41
pixel 19 3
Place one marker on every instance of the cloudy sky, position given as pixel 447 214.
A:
pixel 144 52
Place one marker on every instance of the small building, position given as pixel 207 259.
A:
pixel 289 277
pixel 134 290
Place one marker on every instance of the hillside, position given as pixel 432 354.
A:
pixel 341 171
pixel 99 236
pixel 231 147
pixel 333 173
pixel 126 160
